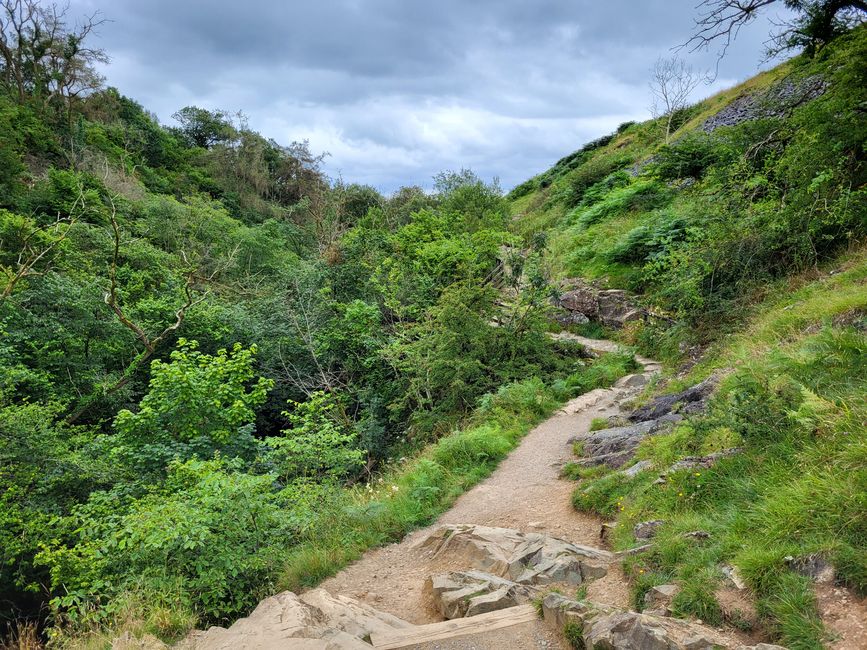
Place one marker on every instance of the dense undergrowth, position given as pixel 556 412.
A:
pixel 746 244
pixel 223 373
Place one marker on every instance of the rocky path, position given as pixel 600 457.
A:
pixel 525 493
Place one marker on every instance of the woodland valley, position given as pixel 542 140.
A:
pixel 225 375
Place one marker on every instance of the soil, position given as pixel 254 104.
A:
pixel 844 615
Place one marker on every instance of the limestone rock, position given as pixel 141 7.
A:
pixel 704 462
pixel 314 620
pixel 616 446
pixel 524 558
pixel 467 593
pixel 689 401
pixel 815 566
pixel 647 529
pixel 627 630
pixel 658 599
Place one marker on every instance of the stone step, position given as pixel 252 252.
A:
pixel 409 637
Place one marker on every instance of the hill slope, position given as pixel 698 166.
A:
pixel 744 239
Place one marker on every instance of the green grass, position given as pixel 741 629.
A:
pixel 799 487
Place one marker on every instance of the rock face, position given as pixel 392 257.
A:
pixel 605 628
pixel 689 401
pixel 467 593
pixel 314 620
pixel 523 558
pixel 583 302
pixel 616 446
pixel 777 101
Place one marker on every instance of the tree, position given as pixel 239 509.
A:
pixel 816 22
pixel 43 58
pixel 203 128
pixel 671 85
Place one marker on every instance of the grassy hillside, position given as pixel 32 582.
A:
pixel 746 244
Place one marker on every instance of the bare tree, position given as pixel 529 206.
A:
pixel 41 56
pixel 36 245
pixel 671 85
pixel 193 295
pixel 814 22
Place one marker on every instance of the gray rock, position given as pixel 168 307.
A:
pixel 815 566
pixel 692 400
pixel 777 101
pixel 647 529
pixel 699 642
pixel 705 462
pixel 658 599
pixel 627 630
pixel 467 593
pixel 525 558
pixel 636 469
pixel 616 308
pixel 616 446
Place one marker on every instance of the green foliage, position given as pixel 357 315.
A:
pixel 320 445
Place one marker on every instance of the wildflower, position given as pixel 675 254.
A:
pixel 698 473
pixel 680 494
pixel 394 488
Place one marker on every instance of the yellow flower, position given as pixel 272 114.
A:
pixel 680 494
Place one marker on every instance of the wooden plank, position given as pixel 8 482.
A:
pixel 456 627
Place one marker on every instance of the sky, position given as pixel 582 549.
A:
pixel 398 90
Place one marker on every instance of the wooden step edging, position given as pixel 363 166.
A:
pixel 456 627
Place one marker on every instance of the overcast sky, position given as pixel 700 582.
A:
pixel 397 90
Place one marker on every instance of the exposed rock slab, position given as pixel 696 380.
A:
pixel 315 620
pixel 583 302
pixel 686 402
pixel 524 558
pixel 616 446
pixel 469 593
pixel 606 628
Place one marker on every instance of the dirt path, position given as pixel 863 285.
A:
pixel 524 493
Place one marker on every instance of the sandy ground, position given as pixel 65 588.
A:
pixel 524 493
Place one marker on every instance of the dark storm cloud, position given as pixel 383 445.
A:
pixel 397 90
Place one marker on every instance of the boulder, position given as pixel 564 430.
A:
pixel 611 307
pixel 584 299
pixel 467 593
pixel 814 566
pixel 647 529
pixel 616 308
pixel 627 630
pixel 524 558
pixel 689 401
pixel 658 599
pixel 315 620
pixel 616 446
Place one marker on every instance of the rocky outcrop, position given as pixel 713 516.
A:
pixel 647 529
pixel 315 620
pixel 686 402
pixel 606 628
pixel 657 600
pixel 524 558
pixel 583 302
pixel 468 593
pixel 616 446
pixel 777 101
